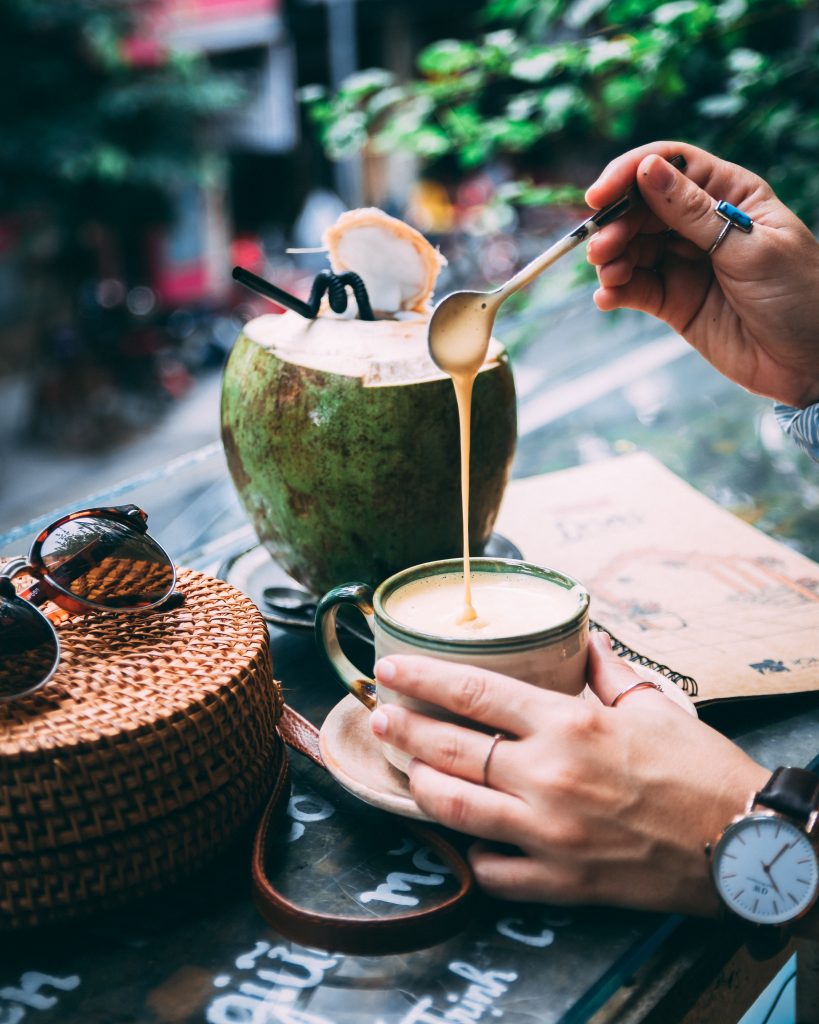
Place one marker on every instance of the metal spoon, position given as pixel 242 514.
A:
pixel 461 324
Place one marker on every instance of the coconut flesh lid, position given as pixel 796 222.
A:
pixel 399 269
pixel 378 352
pixel 397 264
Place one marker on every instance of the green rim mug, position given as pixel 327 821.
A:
pixel 553 657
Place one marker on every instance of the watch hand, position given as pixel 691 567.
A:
pixel 768 883
pixel 767 867
pixel 770 876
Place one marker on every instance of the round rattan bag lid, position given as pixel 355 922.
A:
pixel 147 715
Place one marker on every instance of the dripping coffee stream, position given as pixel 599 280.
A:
pixel 461 327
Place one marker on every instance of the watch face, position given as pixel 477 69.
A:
pixel 765 869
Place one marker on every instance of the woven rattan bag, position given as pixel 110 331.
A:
pixel 151 748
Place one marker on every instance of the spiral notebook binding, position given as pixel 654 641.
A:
pixel 686 683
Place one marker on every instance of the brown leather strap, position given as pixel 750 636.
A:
pixel 300 734
pixel 363 936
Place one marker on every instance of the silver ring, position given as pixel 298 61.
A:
pixel 726 227
pixel 641 684
pixel 495 741
pixel 734 218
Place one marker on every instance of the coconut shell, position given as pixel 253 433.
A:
pixel 344 482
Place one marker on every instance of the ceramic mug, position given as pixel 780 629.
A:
pixel 553 658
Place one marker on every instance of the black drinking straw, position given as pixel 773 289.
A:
pixel 336 287
pixel 272 291
pixel 326 281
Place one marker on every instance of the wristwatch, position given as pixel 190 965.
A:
pixel 765 865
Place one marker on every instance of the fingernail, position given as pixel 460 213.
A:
pixel 658 173
pixel 593 186
pixel 384 671
pixel 604 640
pixel 379 722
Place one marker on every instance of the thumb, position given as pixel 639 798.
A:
pixel 678 202
pixel 609 675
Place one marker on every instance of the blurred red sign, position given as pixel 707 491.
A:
pixel 180 12
pixel 202 25
pixel 212 25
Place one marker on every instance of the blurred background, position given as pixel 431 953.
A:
pixel 149 145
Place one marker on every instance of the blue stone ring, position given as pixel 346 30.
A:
pixel 734 218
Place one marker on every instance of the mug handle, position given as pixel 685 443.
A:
pixel 361 596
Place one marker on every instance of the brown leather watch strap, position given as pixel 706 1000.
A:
pixel 357 935
pixel 791 791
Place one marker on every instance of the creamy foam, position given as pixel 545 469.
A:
pixel 379 352
pixel 508 605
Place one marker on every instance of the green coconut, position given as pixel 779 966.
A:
pixel 342 440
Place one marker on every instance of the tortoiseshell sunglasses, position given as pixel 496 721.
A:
pixel 99 558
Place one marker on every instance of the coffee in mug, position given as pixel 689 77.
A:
pixel 508 604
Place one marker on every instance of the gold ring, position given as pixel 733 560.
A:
pixel 641 684
pixel 495 741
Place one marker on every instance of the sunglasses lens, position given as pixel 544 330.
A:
pixel 28 648
pixel 107 563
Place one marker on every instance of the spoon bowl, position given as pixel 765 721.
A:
pixel 460 329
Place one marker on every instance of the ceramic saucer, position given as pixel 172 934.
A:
pixel 353 756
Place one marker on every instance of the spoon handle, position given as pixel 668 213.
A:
pixel 540 263
pixel 581 233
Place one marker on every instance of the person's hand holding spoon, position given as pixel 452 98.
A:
pixel 462 322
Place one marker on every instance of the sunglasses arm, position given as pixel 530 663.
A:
pixel 15 567
pixel 38 593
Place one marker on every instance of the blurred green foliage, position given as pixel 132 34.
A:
pixel 92 124
pixel 738 77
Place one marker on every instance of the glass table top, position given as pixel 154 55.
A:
pixel 201 952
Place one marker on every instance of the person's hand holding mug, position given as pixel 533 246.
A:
pixel 602 804
pixel 751 307
pixel 534 626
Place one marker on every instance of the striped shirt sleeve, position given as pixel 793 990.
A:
pixel 802 425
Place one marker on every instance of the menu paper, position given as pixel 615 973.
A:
pixel 674 576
